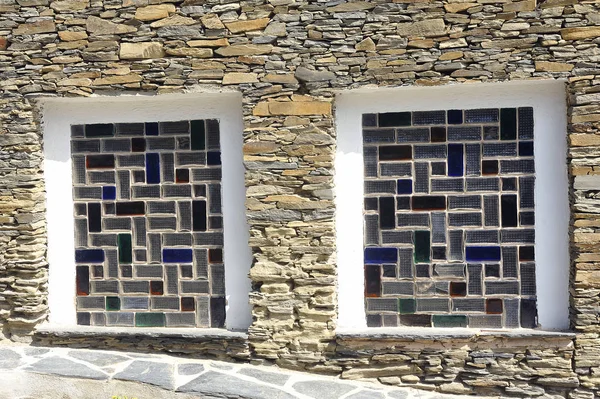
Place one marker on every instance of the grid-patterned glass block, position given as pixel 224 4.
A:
pixel 133 218
pixel 461 186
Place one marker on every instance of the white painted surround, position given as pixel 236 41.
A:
pixel 548 98
pixel 59 114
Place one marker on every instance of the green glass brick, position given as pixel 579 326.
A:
pixel 125 251
pixel 407 305
pixel 149 319
pixel 422 246
pixel 449 321
pixel 113 303
pixel 198 136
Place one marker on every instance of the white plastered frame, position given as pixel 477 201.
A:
pixel 59 114
pixel 548 98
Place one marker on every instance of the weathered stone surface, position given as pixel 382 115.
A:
pixel 32 28
pixel 244 49
pixel 587 32
pixel 99 26
pixel 208 43
pixel 119 79
pixel 309 75
pixel 216 383
pixel 72 36
pixel 247 25
pixel 190 369
pixel 174 20
pixel 69 5
pixel 140 51
pixel 97 358
pixel 427 28
pixel 153 373
pixel 546 66
pixel 190 52
pixel 234 78
pixel 322 389
pixel 154 12
pixel 59 366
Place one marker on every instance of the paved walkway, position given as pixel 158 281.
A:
pixel 203 378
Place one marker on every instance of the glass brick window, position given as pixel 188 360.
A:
pixel 148 224
pixel 449 218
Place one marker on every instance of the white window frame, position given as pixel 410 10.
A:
pixel 59 114
pixel 548 98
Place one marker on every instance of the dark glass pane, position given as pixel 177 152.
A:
pixel 82 280
pixel 387 213
pixel 508 205
pixel 381 255
pixel 404 186
pixel 100 161
pixel 100 130
pixel 94 218
pixel 109 192
pixel 527 219
pixel 492 271
pixel 130 208
pixel 125 250
pixel 152 129
pixel 422 271
pixel 508 124
pixel 455 160
pixel 371 204
pixel 481 115
pixel 438 253
pixel 215 255
pixel 422 246
pixel 480 254
pixel 526 253
pixel 138 145
pixel 379 136
pixel 403 203
pixel 369 120
pixel 428 203
pixel 491 133
pixel 449 321
pixel 89 256
pixel 182 176
pixel 389 270
pixel 438 134
pixel 429 118
pixel 493 306
pixel 458 288
pixel 394 119
pixel 213 158
pixel 489 167
pixel 374 320
pixel 156 288
pixel 416 320
pixel 98 271
pixel 407 305
pixel 372 281
pixel 152 168
pixel 438 168
pixel 126 271
pixel 528 313
pixel 526 148
pixel 198 136
pixel 455 117
pixel 395 152
pixel 177 255
pixel 217 312
pixel 188 304
pixel 199 215
pixel 509 184
pixel 83 318
pixel 149 319
pixel 113 303
pixel 526 123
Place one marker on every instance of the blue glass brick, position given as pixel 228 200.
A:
pixel 404 186
pixel 480 254
pixel 526 149
pixel 89 256
pixel 152 129
pixel 152 168
pixel 213 158
pixel 455 160
pixel 109 192
pixel 455 117
pixel 376 256
pixel 177 255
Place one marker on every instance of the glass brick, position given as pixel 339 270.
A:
pixel 214 198
pixel 422 271
pixel 483 115
pixel 508 207
pixel 380 187
pixel 468 304
pixel 87 193
pixel 398 288
pixel 370 161
pixel 89 256
pixel 527 218
pixel 100 161
pixel 201 262
pixel 167 164
pixel 175 128
pixel 154 247
pixel 464 219
pixel 198 135
pixel 403 203
pixel 184 214
pixel 213 238
pixel 131 161
pixel 206 174
pixel 464 202
pixel 518 236
pixel 491 211
pixel 422 242
pixel 502 288
pixel 438 134
pixel 395 119
pixel 124 184
pixel 493 322
pixel 140 255
pixel 177 239
pixel 195 158
pixel 421 184
pixel 83 318
pixel 405 266
pixel 482 236
pixel 177 191
pixel 379 136
pixel 82 280
pixel 482 184
pixel 429 118
pixel 491 133
pixel 395 152
pixel 449 270
pixel 152 168
pixel 528 283
pixel 162 223
pixel 180 319
pixel 135 287
pixel 517 166
pixel 433 305
pixel 438 228
pixel 156 288
pixel 116 145
pixel 135 303
pixel 526 148
pixel 447 185
pixel 526 192
pixel 194 287
pixel 474 286
pixel 100 130
pixel 413 135
pixel 160 143
pixel 464 133
pixel 112 260
pixel 482 254
pixel 151 128
pixel 381 255
pixel 138 144
pixel 129 129
pixel 492 271
pixel 374 320
pixel 165 303
pixel 473 155
pixel 161 207
pixel 508 124
pixel 103 240
pixel 101 177
pixel 404 186
pixel 430 151
pixel 150 320
pixel 389 271
pixel 77 131
pixel 511 313
pixel 105 287
pixel 177 255
pixel 126 271
pixel 369 120
pixel 212 134
pixel 372 229
pixel 146 192
pixel 455 160
pixel 526 123
pixel 490 167
pixel 120 319
pixel 390 320
pixel 94 217
pixel 171 280
pixel 395 169
pixel 406 220
pixel 382 305
pixel 416 320
pixel 456 245
pixel 81 233
pixel 142 271
pixel 509 262
pixel 455 117
pixel 85 146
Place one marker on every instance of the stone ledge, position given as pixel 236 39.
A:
pixel 198 334
pixel 418 333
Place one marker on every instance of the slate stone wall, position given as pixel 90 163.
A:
pixel 287 58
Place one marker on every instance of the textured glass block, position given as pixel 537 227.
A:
pixel 126 271
pixel 89 256
pixel 201 263
pixel 482 184
pixel 215 238
pixel 474 282
pixel 83 318
pixel 198 135
pixel 91 302
pixel 171 280
pixel 490 321
pixel 175 128
pixel 438 228
pixel 449 270
pixel 370 161
pixel 456 245
pixel 180 319
pixel 395 152
pixel 464 133
pixel 483 115
pixel 422 271
pixel 528 283
pixel 77 131
pixel 85 146
pixel 79 170
pixel 140 255
pixel 447 185
pixel 430 151
pixel 421 184
pixel 160 143
pixel 162 223
pixel 395 119
pixel 490 167
pixel 381 255
pixel 390 320
pixel 429 118
pixel 120 319
pixel 184 215
pixel 135 303
pixel 146 192
pixel 526 123
pixel 464 202
pixel 398 288
pixel 100 177
pixel 131 161
pixel 190 158
pixel 511 313
pixel 492 271
pixel 200 190
pixel 212 134
pixel 152 168
pixel 482 236
pixel 508 124
pixel 464 219
pixel 509 262
pixel 527 218
pixel 167 163
pixel 87 193
pixel 455 117
pixel 206 174
pixel 491 133
pixel 188 304
pixel 396 237
pixel 482 253
pixel 499 149
pixel 468 305
pixel 116 145
pixel 528 313
pixel 150 320
pixel 129 129
pixel 405 266
pixel 403 203
pixel 433 305
pixel 182 175
pixel 82 282
pixel 517 166
pixel 491 211
pixel 194 287
pixel 422 240
pixel 380 187
pixel 382 305
pixel 182 143
pixel 217 312
pixel 371 229
pixel 135 287
pixel 455 160
pixel 177 191
pixel 413 135
pixel 103 240
pixel 369 120
pixel 379 136
pixel 165 303
pixel 395 169
pixel 415 320
pixel 81 233
pixel 124 184
pixel 105 287
pixel 214 198
pixel 217 279
pixel 112 261
pixel 502 288
pixel 518 236
pixel 411 219
pixel 526 192
pixel 473 159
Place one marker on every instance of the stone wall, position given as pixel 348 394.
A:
pixel 288 58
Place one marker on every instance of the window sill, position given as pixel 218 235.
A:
pixel 158 332
pixel 416 333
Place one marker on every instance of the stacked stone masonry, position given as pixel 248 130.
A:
pixel 289 58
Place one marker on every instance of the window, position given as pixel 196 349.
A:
pixel 145 212
pixel 460 224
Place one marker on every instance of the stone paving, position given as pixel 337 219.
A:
pixel 206 378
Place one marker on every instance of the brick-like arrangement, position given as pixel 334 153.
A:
pixel 288 59
pixel 449 218
pixel 148 224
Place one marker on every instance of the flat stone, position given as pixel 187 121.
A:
pixel 122 79
pixel 33 351
pixel 526 5
pixel 276 29
pixel 247 25
pixel 99 26
pixel 226 385
pixel 244 49
pixel 97 358
pixel 298 108
pixel 174 20
pixel 69 36
pixel 546 66
pixel 69 5
pixel 66 368
pixel 9 359
pixel 588 182
pixel 159 374
pixel 74 82
pixel 585 32
pixel 459 7
pixel 32 28
pixel 366 394
pixel 190 52
pixel 310 75
pixel 141 51
pixel 398 394
pixel 212 21
pixel 208 43
pixel 154 12
pixel 265 376
pixel 352 6
pixel 322 389
pixel 275 215
pixel 509 43
pixel 180 32
pixel 285 78
pixel 190 369
pixel 427 28
pixel 239 78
